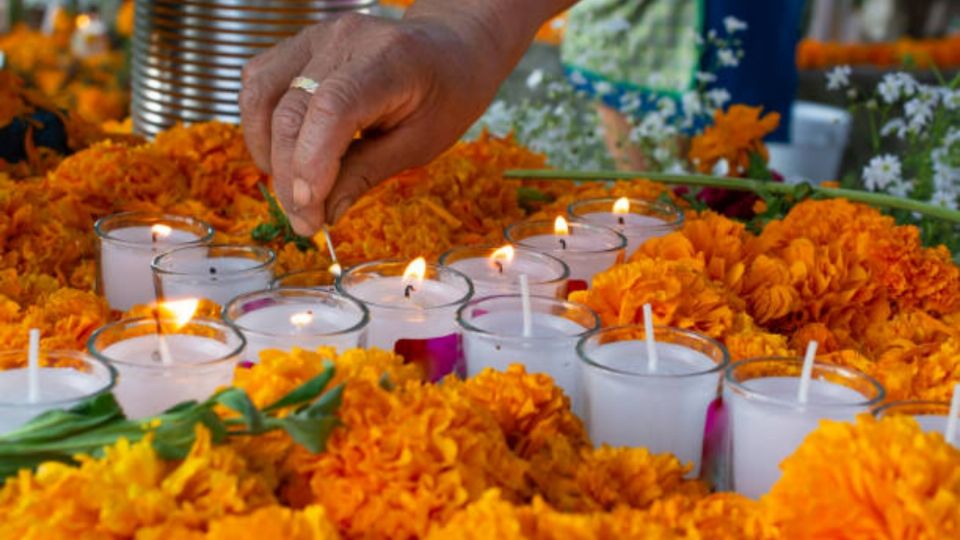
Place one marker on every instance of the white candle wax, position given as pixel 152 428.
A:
pixel 586 252
pixel 665 411
pixel 56 386
pixel 549 349
pixel 270 327
pixel 637 228
pixel 125 257
pixel 220 279
pixel 490 280
pixel 764 433
pixel 147 387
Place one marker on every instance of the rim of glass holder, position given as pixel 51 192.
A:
pixel 846 373
pixel 277 282
pixel 102 228
pixel 486 250
pixel 512 231
pixel 265 257
pixel 564 304
pixel 302 292
pixel 671 214
pixel 886 408
pixel 696 337
pixel 401 265
pixel 97 363
pixel 94 351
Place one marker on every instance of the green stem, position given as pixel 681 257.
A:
pixel 743 184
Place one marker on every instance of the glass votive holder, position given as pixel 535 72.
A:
pixel 128 243
pixel 587 249
pixel 316 278
pixel 496 270
pixel 493 336
pixel 665 410
pixel 305 318
pixel 415 319
pixel 157 370
pixel 931 415
pixel 767 422
pixel 64 380
pixel 637 220
pixel 219 272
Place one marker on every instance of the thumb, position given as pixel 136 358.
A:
pixel 369 161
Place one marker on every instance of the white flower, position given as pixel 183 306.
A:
pixel 952 136
pixel 603 88
pixel 881 172
pixel 706 77
pixel 616 25
pixel 535 78
pixel 721 168
pixel 728 58
pixel 951 99
pixel 733 24
pixel 661 154
pixel 838 77
pixel 896 126
pixel 889 88
pixel 577 78
pixel 900 189
pixel 919 113
pixel 630 102
pixel 667 107
pixel 944 198
pixel 718 97
pixel 711 34
pixel 692 106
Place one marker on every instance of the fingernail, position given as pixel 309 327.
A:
pixel 302 194
pixel 301 226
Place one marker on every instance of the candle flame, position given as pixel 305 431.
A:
pixel 180 311
pixel 335 269
pixel 160 231
pixel 301 319
pixel 560 226
pixel 503 255
pixel 83 21
pixel 415 272
pixel 622 206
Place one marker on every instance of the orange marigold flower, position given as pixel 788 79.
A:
pixel 871 479
pixel 734 136
pixel 680 294
pixel 277 522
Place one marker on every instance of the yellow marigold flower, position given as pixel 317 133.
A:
pixel 734 135
pixel 872 479
pixel 129 489
pixel 747 340
pixel 277 522
pixel 680 294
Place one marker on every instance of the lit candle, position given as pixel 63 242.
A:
pixel 217 272
pixel 63 380
pixel 768 421
pixel 494 336
pixel 496 270
pixel 128 243
pixel 199 358
pixel 412 310
pixel 631 400
pixel 635 219
pixel 304 318
pixel 586 249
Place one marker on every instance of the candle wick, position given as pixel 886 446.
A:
pixel 950 433
pixel 213 270
pixel 563 244
pixel 527 310
pixel 806 373
pixel 621 221
pixel 499 266
pixel 154 238
pixel 408 290
pixel 162 353
pixel 33 367
pixel 651 340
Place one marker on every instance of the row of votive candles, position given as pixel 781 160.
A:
pixel 143 256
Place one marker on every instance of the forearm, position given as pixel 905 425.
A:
pixel 502 28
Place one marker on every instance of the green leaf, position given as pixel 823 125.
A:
pixel 758 169
pixel 312 433
pixel 174 439
pixel 328 403
pixel 236 399
pixel 386 383
pixel 57 424
pixel 306 392
pixel 265 232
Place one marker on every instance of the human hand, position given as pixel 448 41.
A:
pixel 410 88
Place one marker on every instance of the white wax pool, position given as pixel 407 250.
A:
pixel 220 279
pixel 489 280
pixel 270 327
pixel 638 228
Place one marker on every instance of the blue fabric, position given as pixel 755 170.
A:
pixel 767 75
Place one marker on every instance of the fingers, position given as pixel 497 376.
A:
pixel 266 78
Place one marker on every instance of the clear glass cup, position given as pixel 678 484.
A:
pixel 159 369
pixel 587 250
pixel 493 336
pixel 128 243
pixel 218 272
pixel 643 220
pixel 316 278
pixel 766 421
pixel 65 379
pixel 420 326
pixel 627 404
pixel 492 276
pixel 931 415
pixel 305 318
